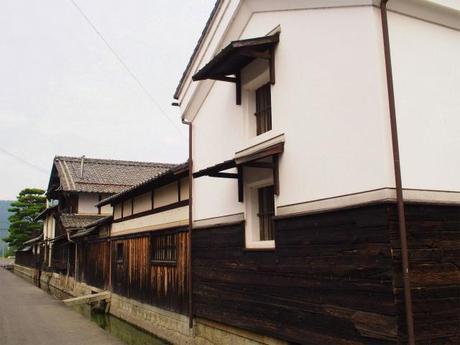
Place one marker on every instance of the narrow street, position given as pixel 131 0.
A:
pixel 29 316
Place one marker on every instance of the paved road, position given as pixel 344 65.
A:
pixel 29 316
pixel 6 261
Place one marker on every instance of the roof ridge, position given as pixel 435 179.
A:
pixel 113 161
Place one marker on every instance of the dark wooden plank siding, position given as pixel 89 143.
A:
pixel 27 259
pixel 136 277
pixel 60 257
pixel 434 258
pixel 329 281
pixel 94 262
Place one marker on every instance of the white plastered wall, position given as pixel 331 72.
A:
pixel 117 211
pixel 87 202
pixel 329 100
pixel 143 202
pixel 184 189
pixel 157 221
pixel 127 208
pixel 49 227
pixel 426 74
pixel 162 196
pixel 165 195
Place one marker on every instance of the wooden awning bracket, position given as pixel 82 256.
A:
pixel 236 56
pixel 272 65
pixel 247 161
pixel 224 175
pixel 239 175
pixel 240 184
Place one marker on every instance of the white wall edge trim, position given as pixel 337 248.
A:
pixel 231 218
pixel 372 196
pixel 259 143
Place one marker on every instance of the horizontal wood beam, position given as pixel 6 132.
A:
pixel 238 88
pixel 257 54
pixel 240 185
pixel 224 175
pixel 262 165
pixel 105 295
pixel 228 79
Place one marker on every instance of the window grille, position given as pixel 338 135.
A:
pixel 164 249
pixel 263 109
pixel 266 213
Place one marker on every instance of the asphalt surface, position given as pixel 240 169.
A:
pixel 29 316
pixel 6 262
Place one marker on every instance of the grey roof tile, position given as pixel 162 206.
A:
pixel 103 175
pixel 78 221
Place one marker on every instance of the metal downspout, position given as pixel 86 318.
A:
pixel 190 223
pixel 110 252
pixel 398 179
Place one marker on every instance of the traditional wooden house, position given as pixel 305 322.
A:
pixel 76 185
pixel 326 197
pixel 32 254
pixel 147 252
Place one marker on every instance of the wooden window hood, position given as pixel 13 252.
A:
pixel 253 161
pixel 228 63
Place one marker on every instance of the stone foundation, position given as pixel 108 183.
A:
pixel 172 327
pixel 25 272
pixel 167 325
pixel 213 333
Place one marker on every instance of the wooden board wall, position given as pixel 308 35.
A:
pixel 136 277
pixel 63 257
pixel 434 259
pixel 27 259
pixel 94 263
pixel 329 281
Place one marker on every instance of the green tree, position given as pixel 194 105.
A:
pixel 30 202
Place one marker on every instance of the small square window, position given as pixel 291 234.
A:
pixel 119 252
pixel 164 249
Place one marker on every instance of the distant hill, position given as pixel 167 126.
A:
pixel 4 223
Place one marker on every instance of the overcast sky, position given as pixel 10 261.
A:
pixel 62 91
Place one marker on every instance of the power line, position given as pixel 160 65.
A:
pixel 23 161
pixel 125 66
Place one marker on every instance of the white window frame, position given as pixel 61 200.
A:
pixel 252 225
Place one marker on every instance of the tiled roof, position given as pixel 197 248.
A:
pixel 101 175
pixel 83 232
pixel 136 189
pixel 90 227
pixel 78 221
pixel 101 221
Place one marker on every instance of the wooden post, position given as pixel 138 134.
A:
pixel 240 184
pixel 238 88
